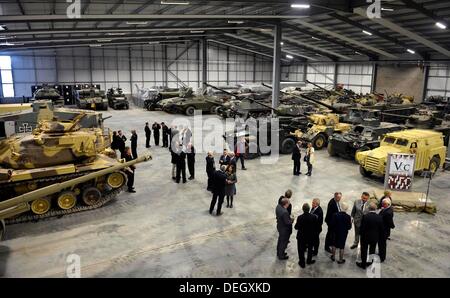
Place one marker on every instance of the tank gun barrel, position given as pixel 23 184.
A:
pixel 318 86
pixel 51 189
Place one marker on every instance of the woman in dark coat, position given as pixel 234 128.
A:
pixel 210 169
pixel 230 187
pixel 342 223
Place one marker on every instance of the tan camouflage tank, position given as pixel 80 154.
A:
pixel 70 166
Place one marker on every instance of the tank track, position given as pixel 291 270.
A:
pixel 26 217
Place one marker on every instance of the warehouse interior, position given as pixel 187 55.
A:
pixel 164 229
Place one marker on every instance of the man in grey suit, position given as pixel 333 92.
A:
pixel 360 208
pixel 284 227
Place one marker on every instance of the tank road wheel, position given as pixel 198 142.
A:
pixel 213 109
pixel 319 141
pixel 435 162
pixel 190 111
pixel 331 150
pixel 67 200
pixel 364 172
pixel 40 206
pixel 287 146
pixel 116 180
pixel 91 196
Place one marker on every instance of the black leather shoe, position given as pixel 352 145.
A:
pixel 219 214
pixel 283 258
pixel 341 261
pixel 332 258
pixel 301 265
pixel 360 265
pixel 310 263
pixel 131 191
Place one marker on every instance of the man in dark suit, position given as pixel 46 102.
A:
pixel 232 160
pixel 332 208
pixel 121 139
pixel 156 127
pixel 387 215
pixel 371 231
pixel 306 227
pixel 224 159
pixel 191 160
pixel 181 165
pixel 165 134
pixel 287 195
pixel 296 157
pixel 130 171
pixel 133 140
pixel 148 134
pixel 219 182
pixel 284 227
pixel 317 211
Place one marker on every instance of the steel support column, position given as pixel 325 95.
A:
pixel 204 63
pixel 276 78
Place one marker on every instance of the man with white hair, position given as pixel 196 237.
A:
pixel 387 214
pixel 371 231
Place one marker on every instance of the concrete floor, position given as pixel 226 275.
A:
pixel 164 230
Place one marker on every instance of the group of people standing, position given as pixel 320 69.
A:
pixel 181 149
pixel 223 181
pixel 128 153
pixel 308 159
pixel 156 127
pixel 372 227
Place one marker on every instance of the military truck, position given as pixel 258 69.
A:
pixel 91 98
pixel 117 100
pixel 360 138
pixel 427 145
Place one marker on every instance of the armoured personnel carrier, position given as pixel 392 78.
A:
pixel 74 164
pixel 427 145
pixel 117 100
pixel 360 138
pixel 91 98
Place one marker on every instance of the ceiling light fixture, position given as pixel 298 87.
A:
pixel 235 22
pixel 411 51
pixel 7 43
pixel 137 23
pixel 103 40
pixel 3 28
pixel 197 31
pixel 387 9
pixel 301 6
pixel 289 57
pixel 95 45
pixel 367 32
pixel 175 3
pixel 153 42
pixel 357 53
pixel 281 43
pixel 315 38
pixel 441 25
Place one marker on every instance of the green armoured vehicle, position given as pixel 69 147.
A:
pixel 117 100
pixel 48 93
pixel 91 98
pixel 70 167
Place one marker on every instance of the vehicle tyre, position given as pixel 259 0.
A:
pixel 435 163
pixel 287 146
pixel 364 172
pixel 330 149
pixel 91 196
pixel 190 111
pixel 213 109
pixel 319 141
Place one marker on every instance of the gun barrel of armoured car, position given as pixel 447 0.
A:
pixel 19 204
